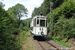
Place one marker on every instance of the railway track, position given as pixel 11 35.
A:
pixel 47 45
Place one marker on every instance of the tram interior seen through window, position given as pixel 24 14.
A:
pixel 37 22
pixel 46 23
pixel 42 22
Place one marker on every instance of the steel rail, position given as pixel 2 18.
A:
pixel 41 46
pixel 53 45
pixel 48 43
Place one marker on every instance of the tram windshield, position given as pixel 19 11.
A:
pixel 42 22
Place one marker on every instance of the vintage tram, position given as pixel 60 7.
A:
pixel 39 26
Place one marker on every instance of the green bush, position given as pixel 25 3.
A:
pixel 57 38
pixel 56 14
pixel 65 27
pixel 67 8
pixel 63 21
pixel 65 40
pixel 8 41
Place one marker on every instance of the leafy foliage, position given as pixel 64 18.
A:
pixel 66 9
pixel 45 7
pixel 65 28
pixel 19 11
pixel 7 40
pixel 63 21
pixel 9 24
pixel 1 4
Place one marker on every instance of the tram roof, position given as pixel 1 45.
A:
pixel 39 16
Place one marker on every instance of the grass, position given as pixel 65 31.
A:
pixel 60 42
pixel 74 0
pixel 23 36
pixel 26 37
pixel 25 40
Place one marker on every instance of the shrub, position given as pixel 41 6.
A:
pixel 63 21
pixel 65 27
pixel 58 38
pixel 67 8
pixel 8 41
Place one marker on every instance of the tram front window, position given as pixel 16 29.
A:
pixel 37 22
pixel 42 22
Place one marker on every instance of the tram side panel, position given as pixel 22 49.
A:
pixel 39 32
pixel 33 31
pixel 32 27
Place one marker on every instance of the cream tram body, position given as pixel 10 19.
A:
pixel 39 26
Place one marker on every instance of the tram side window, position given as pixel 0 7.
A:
pixel 34 22
pixel 37 22
pixel 42 22
pixel 46 23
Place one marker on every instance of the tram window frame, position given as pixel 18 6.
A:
pixel 35 22
pixel 42 23
pixel 46 23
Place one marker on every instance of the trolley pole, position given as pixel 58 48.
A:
pixel 51 17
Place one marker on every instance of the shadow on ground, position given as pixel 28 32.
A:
pixel 39 38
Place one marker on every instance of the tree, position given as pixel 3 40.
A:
pixel 13 19
pixel 36 12
pixel 8 27
pixel 1 4
pixel 19 10
pixel 45 7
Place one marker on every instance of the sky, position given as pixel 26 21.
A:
pixel 29 4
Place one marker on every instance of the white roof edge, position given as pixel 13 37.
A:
pixel 39 16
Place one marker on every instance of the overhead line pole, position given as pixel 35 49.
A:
pixel 51 17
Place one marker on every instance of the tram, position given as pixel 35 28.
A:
pixel 39 26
